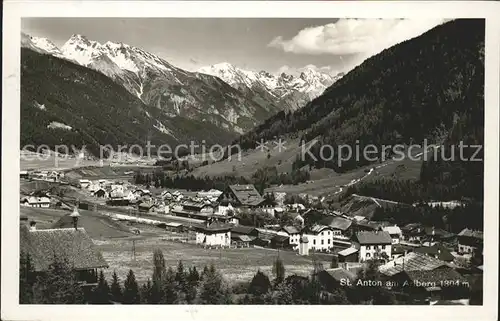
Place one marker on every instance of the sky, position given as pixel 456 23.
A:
pixel 271 44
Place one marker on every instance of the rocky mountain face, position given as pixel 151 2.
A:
pixel 230 98
pixel 68 104
pixel 157 83
pixel 285 91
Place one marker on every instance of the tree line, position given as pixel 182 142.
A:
pixel 262 179
pixel 58 285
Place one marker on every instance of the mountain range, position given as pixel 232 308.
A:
pixel 230 98
pixel 63 103
pixel 286 91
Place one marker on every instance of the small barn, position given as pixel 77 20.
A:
pixel 348 255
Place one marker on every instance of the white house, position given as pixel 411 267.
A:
pixel 33 201
pixel 215 234
pixel 293 234
pixel 395 233
pixel 320 237
pixel 373 244
pixel 84 183
pixel 469 241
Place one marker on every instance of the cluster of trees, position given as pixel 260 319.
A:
pixel 407 191
pixel 188 182
pixel 451 219
pixel 268 176
pixel 58 285
pixel 188 286
pixel 262 179
pixel 166 286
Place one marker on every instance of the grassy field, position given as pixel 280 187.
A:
pixel 234 264
pixel 52 162
pixel 251 161
pixel 115 240
pixel 99 227
pixel 323 182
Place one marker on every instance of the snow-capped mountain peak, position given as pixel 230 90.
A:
pixel 310 83
pixel 40 44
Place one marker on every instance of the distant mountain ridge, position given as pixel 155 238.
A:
pixel 157 83
pixel 288 91
pixel 63 103
pixel 205 97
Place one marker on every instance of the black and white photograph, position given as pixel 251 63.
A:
pixel 252 160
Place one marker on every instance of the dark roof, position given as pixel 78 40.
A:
pixel 241 229
pixel 247 194
pixel 378 237
pixel 243 238
pixel 316 229
pixel 146 205
pixel 290 229
pixel 74 245
pixel 279 238
pixel 199 205
pixel 401 248
pixel 437 232
pixel 437 251
pixel 337 222
pixel 368 225
pixel 436 275
pixel 341 274
pixel 214 227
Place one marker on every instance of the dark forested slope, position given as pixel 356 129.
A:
pixel 419 89
pixel 64 103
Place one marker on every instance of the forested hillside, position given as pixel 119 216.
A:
pixel 64 103
pixel 420 89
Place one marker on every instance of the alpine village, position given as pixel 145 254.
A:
pixel 265 226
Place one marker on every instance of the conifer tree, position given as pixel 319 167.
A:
pixel 26 279
pixel 169 292
pixel 58 285
pixel 131 289
pixel 146 292
pixel 115 288
pixel 213 290
pixel 101 294
pixel 278 271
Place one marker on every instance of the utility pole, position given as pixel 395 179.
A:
pixel 133 250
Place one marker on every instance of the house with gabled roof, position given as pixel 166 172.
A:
pixel 240 196
pixel 35 201
pixel 339 225
pixel 293 234
pixel 373 244
pixel 349 254
pixel 437 251
pixel 213 234
pixel 395 233
pixel 469 241
pixel 71 244
pixel 411 262
pixel 320 237
pixel 333 278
